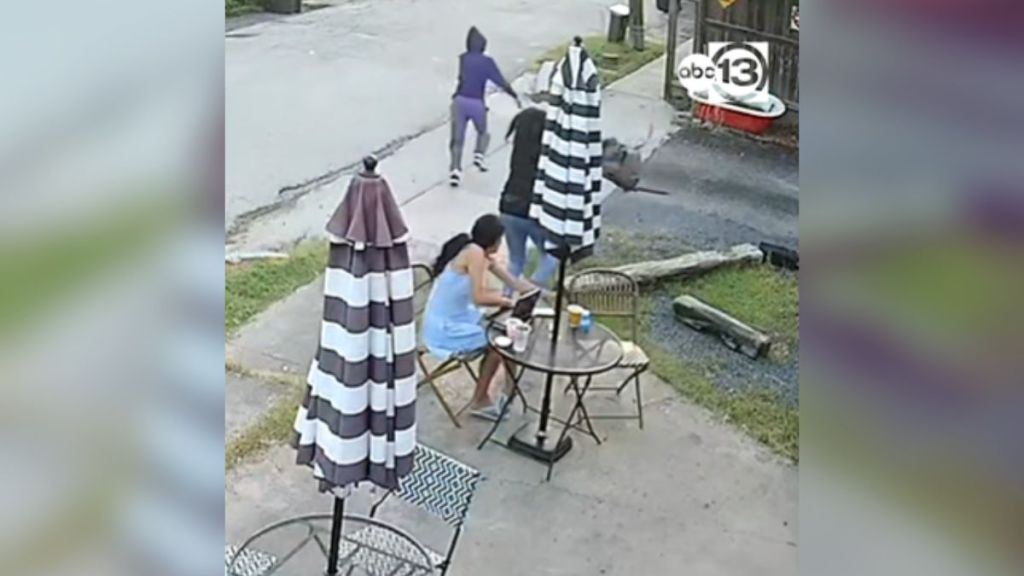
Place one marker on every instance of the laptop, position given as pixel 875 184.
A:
pixel 522 309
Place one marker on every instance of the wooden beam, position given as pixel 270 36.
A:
pixel 691 264
pixel 734 333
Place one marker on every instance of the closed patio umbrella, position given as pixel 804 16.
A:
pixel 357 419
pixel 568 187
pixel 567 194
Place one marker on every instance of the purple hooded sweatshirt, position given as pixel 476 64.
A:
pixel 476 68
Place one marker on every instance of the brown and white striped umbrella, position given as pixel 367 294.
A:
pixel 357 421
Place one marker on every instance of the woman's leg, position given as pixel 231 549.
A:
pixel 547 267
pixel 488 368
pixel 516 230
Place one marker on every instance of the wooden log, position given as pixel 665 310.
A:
pixel 733 332
pixel 691 264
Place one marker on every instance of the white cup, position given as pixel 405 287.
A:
pixel 511 325
pixel 521 337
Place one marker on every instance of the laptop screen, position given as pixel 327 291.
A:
pixel 524 306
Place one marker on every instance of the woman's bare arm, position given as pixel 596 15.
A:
pixel 478 263
pixel 517 284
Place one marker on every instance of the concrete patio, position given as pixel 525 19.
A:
pixel 689 494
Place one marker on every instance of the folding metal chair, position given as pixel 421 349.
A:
pixel 424 282
pixel 613 294
pixel 439 485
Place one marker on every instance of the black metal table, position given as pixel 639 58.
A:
pixel 576 354
pixel 299 547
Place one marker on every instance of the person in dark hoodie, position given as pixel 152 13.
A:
pixel 475 70
pixel 516 197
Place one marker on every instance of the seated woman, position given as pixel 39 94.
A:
pixel 452 320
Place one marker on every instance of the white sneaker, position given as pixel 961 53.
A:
pixel 455 178
pixel 478 161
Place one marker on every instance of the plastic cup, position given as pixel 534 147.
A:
pixel 586 321
pixel 511 324
pixel 521 338
pixel 575 315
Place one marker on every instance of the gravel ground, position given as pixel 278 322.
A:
pixel 723 189
pixel 727 369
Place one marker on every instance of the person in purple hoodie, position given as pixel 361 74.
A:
pixel 475 70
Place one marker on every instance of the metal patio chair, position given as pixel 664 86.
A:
pixel 613 294
pixel 423 283
pixel 248 563
pixel 439 485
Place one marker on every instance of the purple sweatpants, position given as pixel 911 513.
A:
pixel 465 110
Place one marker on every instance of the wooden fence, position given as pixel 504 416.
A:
pixel 772 21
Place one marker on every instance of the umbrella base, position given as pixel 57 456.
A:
pixel 525 442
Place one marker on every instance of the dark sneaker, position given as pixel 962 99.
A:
pixel 478 161
pixel 455 178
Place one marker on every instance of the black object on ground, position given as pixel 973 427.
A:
pixel 284 6
pixel 779 256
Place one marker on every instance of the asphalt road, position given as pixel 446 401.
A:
pixel 722 189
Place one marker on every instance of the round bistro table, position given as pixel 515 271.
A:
pixel 573 353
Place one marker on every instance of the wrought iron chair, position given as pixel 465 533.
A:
pixel 437 484
pixel 613 294
pixel 248 563
pixel 423 283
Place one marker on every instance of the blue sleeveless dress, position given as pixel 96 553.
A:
pixel 451 322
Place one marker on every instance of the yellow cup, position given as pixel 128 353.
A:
pixel 575 315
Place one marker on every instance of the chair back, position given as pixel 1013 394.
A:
pixel 607 293
pixel 423 281
pixel 440 485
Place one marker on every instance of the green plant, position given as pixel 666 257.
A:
pixel 614 61
pixel 239 7
pixel 251 287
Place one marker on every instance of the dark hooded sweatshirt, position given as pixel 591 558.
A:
pixel 476 68
pixel 528 127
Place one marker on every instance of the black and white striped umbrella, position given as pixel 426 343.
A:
pixel 567 192
pixel 357 420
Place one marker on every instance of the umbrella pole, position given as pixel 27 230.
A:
pixel 545 410
pixel 533 444
pixel 332 554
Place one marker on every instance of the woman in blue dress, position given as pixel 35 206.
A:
pixel 452 322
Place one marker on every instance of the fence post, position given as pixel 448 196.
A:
pixel 699 27
pixel 636 28
pixel 670 48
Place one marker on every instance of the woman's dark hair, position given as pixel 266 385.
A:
pixel 486 233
